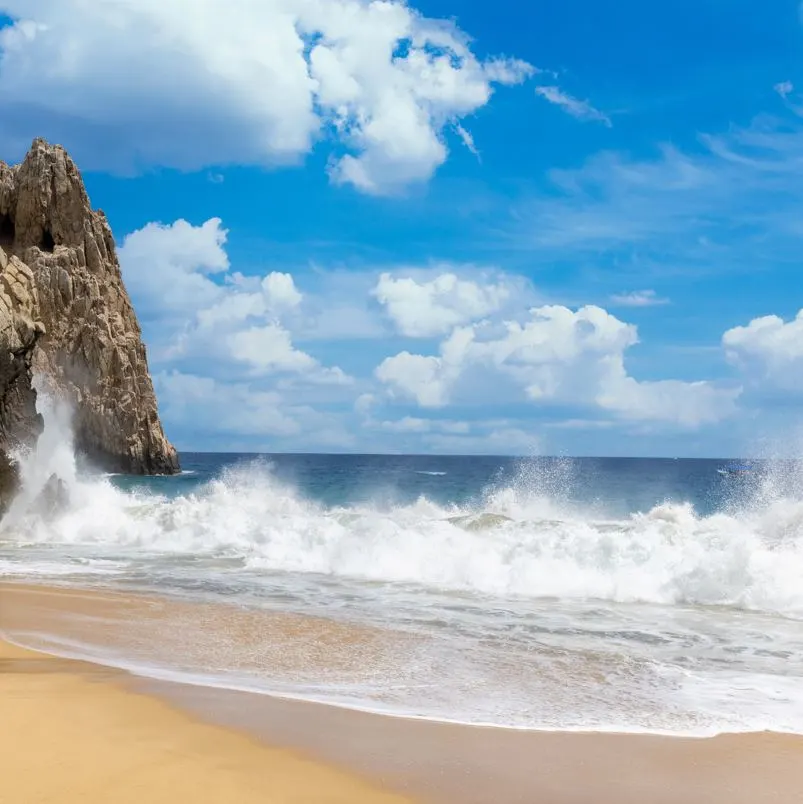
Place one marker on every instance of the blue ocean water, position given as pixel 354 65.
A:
pixel 617 486
pixel 650 595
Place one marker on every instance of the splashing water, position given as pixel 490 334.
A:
pixel 48 469
pixel 664 618
pixel 512 545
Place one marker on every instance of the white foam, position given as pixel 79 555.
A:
pixel 520 547
pixel 71 649
pixel 56 569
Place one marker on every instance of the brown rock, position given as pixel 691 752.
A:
pixel 65 314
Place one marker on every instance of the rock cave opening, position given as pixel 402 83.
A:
pixel 7 231
pixel 48 243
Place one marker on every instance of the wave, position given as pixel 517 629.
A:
pixel 508 545
pixel 518 540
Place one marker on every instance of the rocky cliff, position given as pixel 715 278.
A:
pixel 65 316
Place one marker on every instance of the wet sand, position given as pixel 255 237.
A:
pixel 468 765
pixel 99 735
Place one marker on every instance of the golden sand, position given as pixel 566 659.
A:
pixel 71 732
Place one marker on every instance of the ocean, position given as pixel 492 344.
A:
pixel 541 593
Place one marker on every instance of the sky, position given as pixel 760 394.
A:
pixel 567 228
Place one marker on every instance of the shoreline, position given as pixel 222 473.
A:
pixel 78 732
pixel 371 753
pixel 166 679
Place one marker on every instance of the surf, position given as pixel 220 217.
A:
pixel 666 619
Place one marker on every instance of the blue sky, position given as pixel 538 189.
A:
pixel 570 227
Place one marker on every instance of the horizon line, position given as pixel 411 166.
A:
pixel 483 455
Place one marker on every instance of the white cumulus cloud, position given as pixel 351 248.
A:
pixel 168 267
pixel 556 356
pixel 768 349
pixel 204 83
pixel 225 349
pixel 422 309
pixel 195 310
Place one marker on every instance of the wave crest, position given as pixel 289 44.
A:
pixel 509 544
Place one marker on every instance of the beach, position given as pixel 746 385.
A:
pixel 78 731
pixel 400 402
pixel 74 732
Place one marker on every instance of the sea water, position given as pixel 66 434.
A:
pixel 542 593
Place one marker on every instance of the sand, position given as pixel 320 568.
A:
pixel 71 732
pixel 79 732
pixel 462 765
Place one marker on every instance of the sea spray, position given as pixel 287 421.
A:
pixel 507 545
pixel 47 470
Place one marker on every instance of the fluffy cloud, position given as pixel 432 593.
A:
pixel 194 83
pixel 224 358
pixel 769 349
pixel 179 257
pixel 209 312
pixel 557 356
pixel 434 307
pixel 225 352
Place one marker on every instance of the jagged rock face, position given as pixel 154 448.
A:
pixel 65 314
pixel 19 332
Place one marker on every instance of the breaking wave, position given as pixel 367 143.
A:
pixel 512 542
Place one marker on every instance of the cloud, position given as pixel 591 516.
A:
pixel 364 403
pixel 768 350
pixel 425 379
pixel 638 298
pixel 468 140
pixel 214 82
pixel 169 267
pixel 231 373
pixel 268 348
pixel 220 343
pixel 454 437
pixel 579 109
pixel 557 356
pixel 422 309
pixel 784 89
pixel 483 440
pixel 411 424
pixel 228 409
pixel 201 412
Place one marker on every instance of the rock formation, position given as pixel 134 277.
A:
pixel 65 315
